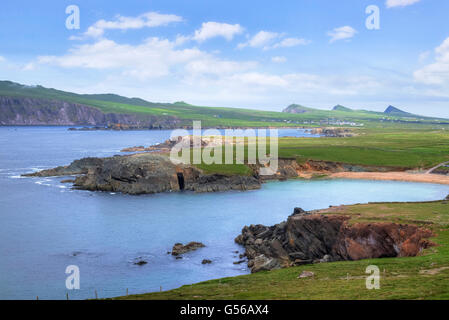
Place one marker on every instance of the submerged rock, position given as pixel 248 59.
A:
pixel 313 238
pixel 179 248
pixel 68 181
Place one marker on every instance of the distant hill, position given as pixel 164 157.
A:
pixel 16 89
pixel 36 105
pixel 395 111
pixel 296 108
pixel 339 107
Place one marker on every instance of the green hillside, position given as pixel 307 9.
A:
pixel 339 107
pixel 214 116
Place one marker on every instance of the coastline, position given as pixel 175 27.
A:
pixel 393 176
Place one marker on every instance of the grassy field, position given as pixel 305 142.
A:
pixel 408 149
pixel 399 149
pixel 422 277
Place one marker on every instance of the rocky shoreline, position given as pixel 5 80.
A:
pixel 152 172
pixel 308 237
pixel 145 173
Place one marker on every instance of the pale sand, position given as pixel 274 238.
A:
pixel 393 176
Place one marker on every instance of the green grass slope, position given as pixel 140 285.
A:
pixel 422 277
pixel 397 149
pixel 214 116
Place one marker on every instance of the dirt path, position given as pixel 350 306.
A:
pixel 393 176
pixel 436 167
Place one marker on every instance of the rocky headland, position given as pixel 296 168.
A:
pixel 308 237
pixel 37 111
pixel 145 173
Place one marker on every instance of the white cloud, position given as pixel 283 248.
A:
pixel 261 79
pixel 290 42
pixel 212 65
pixel 279 59
pixel 29 66
pixel 2 59
pixel 341 33
pixel 400 3
pixel 438 71
pixel 215 29
pixel 152 58
pixel 423 56
pixel 261 39
pixel 149 19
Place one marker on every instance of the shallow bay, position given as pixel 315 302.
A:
pixel 46 226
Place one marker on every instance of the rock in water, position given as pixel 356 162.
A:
pixel 206 261
pixel 179 248
pixel 68 181
pixel 315 238
pixel 139 262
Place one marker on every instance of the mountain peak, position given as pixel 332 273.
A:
pixel 395 110
pixel 339 107
pixel 296 108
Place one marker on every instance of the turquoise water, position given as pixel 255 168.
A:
pixel 46 226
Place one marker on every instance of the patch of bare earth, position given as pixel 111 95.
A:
pixel 432 272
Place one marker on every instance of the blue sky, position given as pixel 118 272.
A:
pixel 254 54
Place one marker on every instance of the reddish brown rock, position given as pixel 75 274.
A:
pixel 312 238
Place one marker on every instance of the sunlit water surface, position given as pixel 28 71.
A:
pixel 46 226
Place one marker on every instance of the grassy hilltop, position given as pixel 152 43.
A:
pixel 294 115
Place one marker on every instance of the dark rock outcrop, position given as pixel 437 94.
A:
pixel 146 173
pixel 312 238
pixel 77 167
pixel 179 248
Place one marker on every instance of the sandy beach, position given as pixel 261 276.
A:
pixel 393 176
